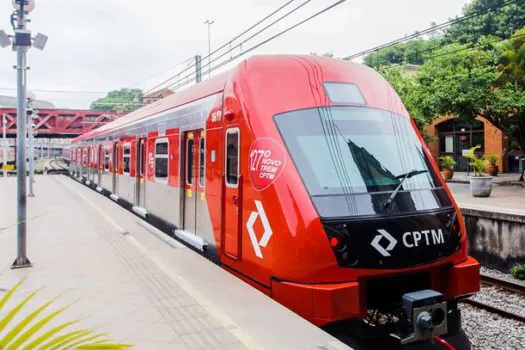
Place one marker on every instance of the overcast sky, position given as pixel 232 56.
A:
pixel 100 45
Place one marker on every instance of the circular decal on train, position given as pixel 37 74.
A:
pixel 267 160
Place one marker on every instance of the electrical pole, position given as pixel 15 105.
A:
pixel 209 23
pixel 21 118
pixel 198 69
pixel 22 42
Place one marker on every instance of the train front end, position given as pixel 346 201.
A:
pixel 369 230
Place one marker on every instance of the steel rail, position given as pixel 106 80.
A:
pixel 494 309
pixel 503 284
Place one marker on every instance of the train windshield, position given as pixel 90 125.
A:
pixel 352 159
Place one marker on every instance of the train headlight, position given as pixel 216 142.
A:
pixel 341 244
pixel 337 243
pixel 454 233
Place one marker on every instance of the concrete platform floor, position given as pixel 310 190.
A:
pixel 504 199
pixel 128 279
pixel 502 178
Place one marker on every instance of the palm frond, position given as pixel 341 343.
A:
pixel 28 330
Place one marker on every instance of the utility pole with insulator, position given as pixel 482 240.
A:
pixel 198 69
pixel 209 23
pixel 22 42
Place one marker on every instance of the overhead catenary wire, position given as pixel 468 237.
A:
pixel 227 43
pixel 219 65
pixel 164 71
pixel 431 29
pixel 159 73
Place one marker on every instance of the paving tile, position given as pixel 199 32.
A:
pixel 151 345
pixel 195 325
pixel 146 314
pixel 160 332
pixel 233 346
pixel 201 340
pixel 120 330
pixel 224 336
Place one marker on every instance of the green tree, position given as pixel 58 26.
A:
pixel 511 63
pixel 123 100
pixel 468 83
pixel 411 52
pixel 501 22
pixel 406 86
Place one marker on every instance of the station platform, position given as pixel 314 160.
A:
pixel 503 199
pixel 127 278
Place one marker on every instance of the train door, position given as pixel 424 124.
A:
pixel 84 163
pixel 232 194
pixel 90 164
pixel 115 167
pixel 190 180
pixel 100 164
pixel 140 186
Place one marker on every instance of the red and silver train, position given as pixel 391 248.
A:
pixel 305 177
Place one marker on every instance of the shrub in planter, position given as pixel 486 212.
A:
pixel 518 272
pixel 493 164
pixel 480 184
pixel 447 162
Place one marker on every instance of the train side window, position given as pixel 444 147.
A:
pixel 161 160
pixel 127 158
pixel 189 161
pixel 232 157
pixel 106 159
pixel 202 164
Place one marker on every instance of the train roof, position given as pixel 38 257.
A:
pixel 195 92
pixel 216 84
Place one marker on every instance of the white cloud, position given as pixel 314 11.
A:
pixel 106 44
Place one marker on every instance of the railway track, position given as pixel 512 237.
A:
pixel 507 285
pixel 502 284
pixel 56 167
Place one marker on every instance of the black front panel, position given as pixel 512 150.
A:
pixel 395 241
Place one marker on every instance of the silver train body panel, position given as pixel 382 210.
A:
pixel 190 216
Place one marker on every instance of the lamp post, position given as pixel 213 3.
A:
pixel 22 42
pixel 4 145
pixel 209 23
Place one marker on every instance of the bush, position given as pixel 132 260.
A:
pixel 492 158
pixel 518 272
pixel 447 162
pixel 476 162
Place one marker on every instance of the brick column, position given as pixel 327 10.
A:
pixel 494 142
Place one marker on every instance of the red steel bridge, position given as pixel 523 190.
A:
pixel 61 123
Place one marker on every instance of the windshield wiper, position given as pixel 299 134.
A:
pixel 386 204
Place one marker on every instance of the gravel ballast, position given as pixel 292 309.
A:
pixel 504 276
pixel 489 331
